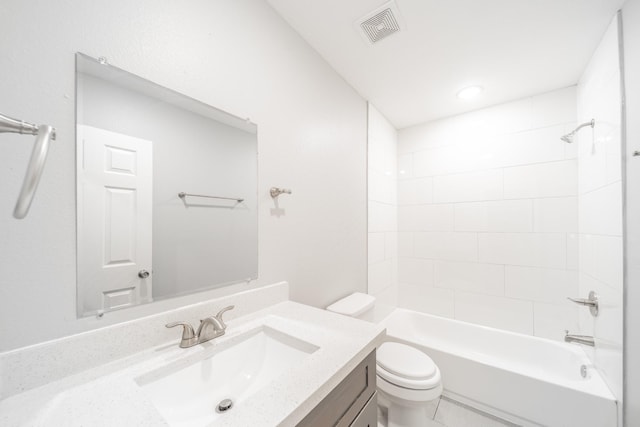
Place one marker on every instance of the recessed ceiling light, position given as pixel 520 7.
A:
pixel 469 92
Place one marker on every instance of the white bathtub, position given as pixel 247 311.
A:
pixel 527 380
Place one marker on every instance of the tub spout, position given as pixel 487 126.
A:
pixel 580 339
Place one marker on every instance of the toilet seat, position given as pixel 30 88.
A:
pixel 407 367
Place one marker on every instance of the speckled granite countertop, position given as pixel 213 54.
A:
pixel 109 394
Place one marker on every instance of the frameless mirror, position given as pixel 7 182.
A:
pixel 166 192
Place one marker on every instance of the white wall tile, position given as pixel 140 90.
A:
pixel 425 218
pixel 600 206
pixel 526 249
pixel 552 320
pixel 570 150
pixel 415 271
pixel 613 161
pixel 382 156
pixel 426 299
pixel 472 277
pixel 381 187
pixel 376 247
pixel 475 154
pixel 391 245
pixel 541 284
pixel 506 118
pixel 607 327
pixel 555 179
pixel 382 145
pixel 573 251
pixel 380 276
pixel 405 166
pixel 601 211
pixel 592 165
pixel 468 187
pixel 554 108
pixel 387 297
pixel 471 163
pixel 416 191
pixel 498 312
pixel 422 137
pixel 383 224
pixel 558 214
pixel 602 258
pixel 603 65
pixel 380 129
pixel 530 146
pixel 382 217
pixel 498 216
pixel 405 244
pixel 450 246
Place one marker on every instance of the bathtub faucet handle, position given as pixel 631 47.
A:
pixel 591 302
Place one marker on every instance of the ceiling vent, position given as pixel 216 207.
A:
pixel 380 23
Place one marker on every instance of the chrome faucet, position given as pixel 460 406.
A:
pixel 580 339
pixel 210 328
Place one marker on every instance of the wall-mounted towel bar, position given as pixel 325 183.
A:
pixel 44 135
pixel 183 195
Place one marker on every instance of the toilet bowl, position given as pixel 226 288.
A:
pixel 407 379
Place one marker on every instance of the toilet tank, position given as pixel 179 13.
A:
pixel 355 305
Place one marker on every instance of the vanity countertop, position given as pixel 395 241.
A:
pixel 109 394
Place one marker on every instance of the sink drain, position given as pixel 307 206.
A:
pixel 225 405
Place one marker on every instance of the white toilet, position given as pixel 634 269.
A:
pixel 407 378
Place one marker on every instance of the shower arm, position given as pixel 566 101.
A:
pixel 569 137
pixel 44 135
pixel 590 123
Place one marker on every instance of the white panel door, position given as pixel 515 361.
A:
pixel 114 219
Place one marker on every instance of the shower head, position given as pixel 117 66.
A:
pixel 568 138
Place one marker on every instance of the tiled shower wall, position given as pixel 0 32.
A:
pixel 382 187
pixel 600 206
pixel 488 216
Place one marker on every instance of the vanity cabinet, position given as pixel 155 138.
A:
pixel 352 403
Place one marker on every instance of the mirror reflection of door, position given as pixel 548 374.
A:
pixel 114 219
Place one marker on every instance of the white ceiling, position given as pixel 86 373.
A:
pixel 513 48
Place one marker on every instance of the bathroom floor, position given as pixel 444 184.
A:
pixel 449 413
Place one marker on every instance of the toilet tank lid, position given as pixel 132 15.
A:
pixel 353 305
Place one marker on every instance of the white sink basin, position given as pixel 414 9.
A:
pixel 189 395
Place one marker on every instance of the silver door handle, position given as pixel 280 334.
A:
pixel 143 274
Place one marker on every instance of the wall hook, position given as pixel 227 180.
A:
pixel 275 191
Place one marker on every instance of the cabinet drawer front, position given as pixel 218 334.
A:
pixel 345 401
pixel 368 417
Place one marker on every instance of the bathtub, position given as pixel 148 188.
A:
pixel 527 380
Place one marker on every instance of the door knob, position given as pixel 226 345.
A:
pixel 143 274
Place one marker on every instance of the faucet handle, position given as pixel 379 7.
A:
pixel 188 336
pixel 221 312
pixel 591 302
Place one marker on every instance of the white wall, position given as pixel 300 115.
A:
pixel 383 226
pixel 600 206
pixel 631 40
pixel 487 216
pixel 237 55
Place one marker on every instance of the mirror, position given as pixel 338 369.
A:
pixel 166 192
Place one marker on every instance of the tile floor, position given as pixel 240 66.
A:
pixel 446 412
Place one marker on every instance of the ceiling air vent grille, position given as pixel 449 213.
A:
pixel 380 26
pixel 380 23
